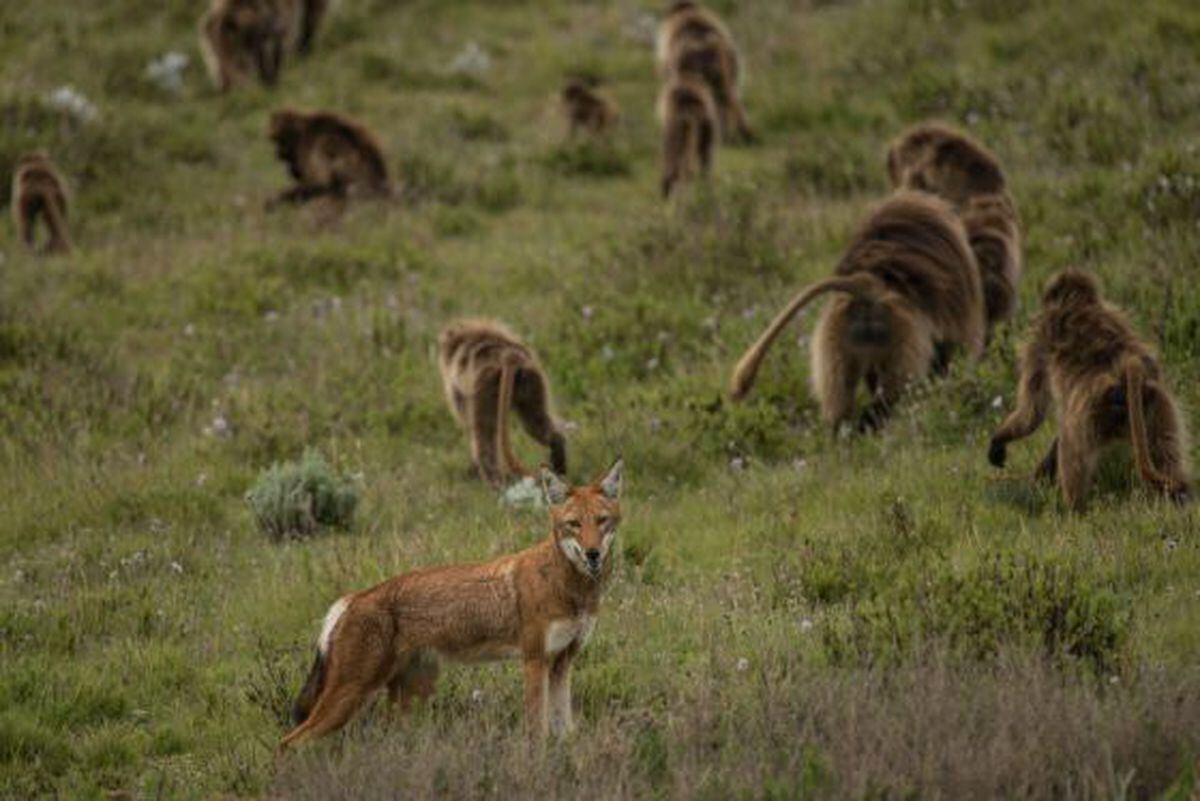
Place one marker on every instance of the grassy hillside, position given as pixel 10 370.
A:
pixel 795 615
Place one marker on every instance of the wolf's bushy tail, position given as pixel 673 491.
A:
pixel 302 706
pixel 315 682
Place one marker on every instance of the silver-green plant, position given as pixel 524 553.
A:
pixel 298 499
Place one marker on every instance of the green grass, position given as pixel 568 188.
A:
pixel 891 595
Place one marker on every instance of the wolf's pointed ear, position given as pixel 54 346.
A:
pixel 610 485
pixel 553 487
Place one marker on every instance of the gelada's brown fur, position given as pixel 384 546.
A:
pixel 907 291
pixel 40 192
pixel 692 40
pixel 687 114
pixel 1107 384
pixel 589 109
pixel 538 605
pixel 994 231
pixel 243 40
pixel 328 155
pixel 937 158
pixel 486 372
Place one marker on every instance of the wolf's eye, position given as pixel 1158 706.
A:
pixel 572 525
pixel 603 520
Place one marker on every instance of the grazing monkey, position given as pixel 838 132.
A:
pixel 486 371
pixel 693 40
pixel 538 605
pixel 690 130
pixel 246 39
pixel 39 190
pixel 329 155
pixel 906 289
pixel 588 109
pixel 947 162
pixel 1084 355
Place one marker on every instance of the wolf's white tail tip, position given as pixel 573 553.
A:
pixel 331 620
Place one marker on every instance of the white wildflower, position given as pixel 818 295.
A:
pixel 219 427
pixel 166 71
pixel 67 98
pixel 471 60
pixel 642 28
pixel 524 493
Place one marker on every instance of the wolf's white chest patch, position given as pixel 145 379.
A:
pixel 561 633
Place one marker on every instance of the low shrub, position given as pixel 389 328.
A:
pixel 298 499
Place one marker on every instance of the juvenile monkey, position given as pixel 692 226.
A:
pixel 246 39
pixel 692 40
pixel 589 109
pixel 690 131
pixel 486 371
pixel 1083 354
pixel 328 155
pixel 39 191
pixel 947 162
pixel 906 289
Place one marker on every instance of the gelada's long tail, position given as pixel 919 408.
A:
pixel 747 367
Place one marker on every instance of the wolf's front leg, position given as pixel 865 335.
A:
pixel 560 695
pixel 536 690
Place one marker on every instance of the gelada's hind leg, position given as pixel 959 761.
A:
pixel 532 399
pixel 907 362
pixel 738 114
pixel 1078 453
pixel 1047 470
pixel 482 422
pixel 835 370
pixel 27 221
pixel 1167 441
